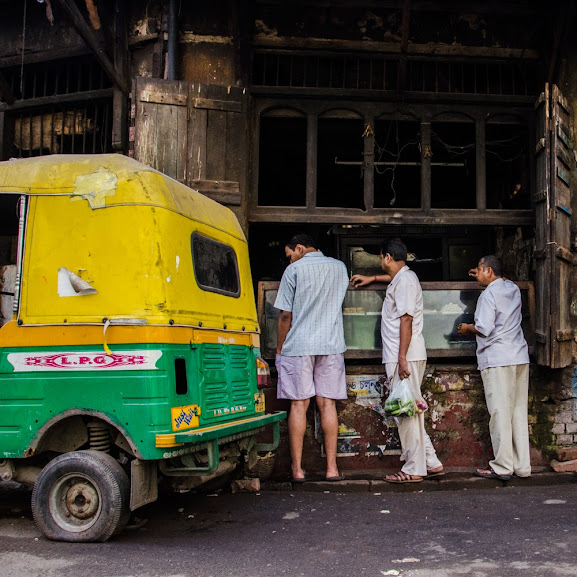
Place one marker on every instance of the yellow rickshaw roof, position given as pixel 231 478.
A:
pixel 106 180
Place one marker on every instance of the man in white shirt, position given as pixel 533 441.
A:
pixel 310 346
pixel 503 360
pixel 405 356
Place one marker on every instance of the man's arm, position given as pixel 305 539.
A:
pixel 465 329
pixel 284 324
pixel 406 334
pixel 360 280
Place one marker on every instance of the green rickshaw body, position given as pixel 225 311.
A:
pixel 134 330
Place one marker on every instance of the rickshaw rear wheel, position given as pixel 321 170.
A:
pixel 81 496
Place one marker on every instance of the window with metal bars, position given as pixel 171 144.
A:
pixel 352 72
pixel 56 77
pixel 83 128
pixel 345 158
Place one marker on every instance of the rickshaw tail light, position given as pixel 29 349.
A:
pixel 262 373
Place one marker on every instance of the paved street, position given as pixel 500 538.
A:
pixel 496 531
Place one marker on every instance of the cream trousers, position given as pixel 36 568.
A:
pixel 418 451
pixel 506 392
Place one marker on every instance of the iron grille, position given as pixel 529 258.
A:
pixel 56 77
pixel 66 129
pixel 514 78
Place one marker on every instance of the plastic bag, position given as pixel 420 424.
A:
pixel 401 402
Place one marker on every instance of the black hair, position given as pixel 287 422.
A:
pixel 494 262
pixel 301 238
pixel 396 248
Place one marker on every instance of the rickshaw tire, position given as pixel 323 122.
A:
pixel 123 480
pixel 71 485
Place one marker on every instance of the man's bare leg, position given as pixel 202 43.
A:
pixel 330 426
pixel 297 424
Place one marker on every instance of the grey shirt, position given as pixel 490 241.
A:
pixel 498 318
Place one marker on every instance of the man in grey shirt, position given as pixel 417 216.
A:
pixel 310 346
pixel 503 360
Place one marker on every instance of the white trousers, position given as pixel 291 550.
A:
pixel 506 392
pixel 417 450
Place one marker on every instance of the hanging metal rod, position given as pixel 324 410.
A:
pixel 354 163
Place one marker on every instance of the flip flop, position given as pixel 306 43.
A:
pixel 488 473
pixel 401 477
pixel 435 473
pixel 299 479
pixel 340 477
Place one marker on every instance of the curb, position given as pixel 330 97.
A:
pixel 448 482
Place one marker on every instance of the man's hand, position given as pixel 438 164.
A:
pixel 464 329
pixel 404 372
pixel 473 272
pixel 361 280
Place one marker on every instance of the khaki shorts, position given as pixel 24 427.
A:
pixel 301 378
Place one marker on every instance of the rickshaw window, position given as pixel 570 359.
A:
pixel 215 266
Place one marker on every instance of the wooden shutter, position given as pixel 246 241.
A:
pixel 554 162
pixel 194 133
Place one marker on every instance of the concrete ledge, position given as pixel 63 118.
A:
pixel 451 481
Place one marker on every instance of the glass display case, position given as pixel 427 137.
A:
pixel 445 304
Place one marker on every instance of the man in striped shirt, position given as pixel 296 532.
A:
pixel 310 346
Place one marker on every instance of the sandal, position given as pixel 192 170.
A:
pixel 435 473
pixel 488 473
pixel 402 477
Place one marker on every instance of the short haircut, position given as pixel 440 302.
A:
pixel 301 238
pixel 494 262
pixel 396 248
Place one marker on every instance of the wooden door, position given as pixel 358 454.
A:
pixel 554 163
pixel 194 133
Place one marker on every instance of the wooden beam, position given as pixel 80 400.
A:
pixel 392 95
pixel 45 56
pixel 120 100
pixel 59 99
pixel 426 165
pixel 87 34
pixel 464 6
pixel 369 162
pixel 241 22
pixel 481 162
pixel 311 177
pixel 328 45
pixel 393 216
pixel 405 25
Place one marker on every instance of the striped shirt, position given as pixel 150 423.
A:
pixel 313 288
pixel 498 317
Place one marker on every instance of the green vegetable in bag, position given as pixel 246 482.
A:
pixel 401 402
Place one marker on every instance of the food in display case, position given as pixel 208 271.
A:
pixel 445 305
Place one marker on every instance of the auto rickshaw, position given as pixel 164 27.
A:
pixel 133 348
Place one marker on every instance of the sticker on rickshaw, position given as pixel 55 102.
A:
pixel 259 404
pixel 185 417
pixel 229 410
pixel 85 361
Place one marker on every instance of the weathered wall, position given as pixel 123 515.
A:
pixel 40 35
pixel 457 422
pixel 556 414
